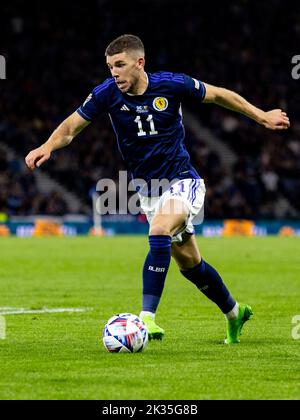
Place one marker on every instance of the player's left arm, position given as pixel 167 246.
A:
pixel 275 119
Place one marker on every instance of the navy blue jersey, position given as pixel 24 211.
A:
pixel 149 127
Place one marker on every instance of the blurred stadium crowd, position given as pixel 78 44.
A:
pixel 55 56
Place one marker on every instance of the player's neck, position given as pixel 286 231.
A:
pixel 141 86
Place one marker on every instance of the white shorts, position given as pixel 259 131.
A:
pixel 189 191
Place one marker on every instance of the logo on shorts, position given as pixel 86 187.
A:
pixel 160 103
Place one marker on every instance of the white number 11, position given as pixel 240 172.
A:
pixel 141 132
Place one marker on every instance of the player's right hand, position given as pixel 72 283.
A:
pixel 37 157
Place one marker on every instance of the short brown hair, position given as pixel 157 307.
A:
pixel 125 43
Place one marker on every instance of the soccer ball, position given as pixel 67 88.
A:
pixel 125 333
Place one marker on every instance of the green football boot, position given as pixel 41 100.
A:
pixel 154 331
pixel 234 326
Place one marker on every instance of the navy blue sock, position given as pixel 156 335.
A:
pixel 209 282
pixel 155 270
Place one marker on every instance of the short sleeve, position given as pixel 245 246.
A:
pixel 193 88
pixel 94 105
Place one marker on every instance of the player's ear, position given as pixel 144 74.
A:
pixel 141 62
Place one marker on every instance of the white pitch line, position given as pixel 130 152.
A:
pixel 21 311
pixel 9 308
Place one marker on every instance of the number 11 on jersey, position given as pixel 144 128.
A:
pixel 141 132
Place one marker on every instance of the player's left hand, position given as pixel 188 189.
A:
pixel 276 120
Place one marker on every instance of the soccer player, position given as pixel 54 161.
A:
pixel 145 111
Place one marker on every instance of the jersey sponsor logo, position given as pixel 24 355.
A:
pixel 87 99
pixel 125 108
pixel 197 84
pixel 160 103
pixel 140 109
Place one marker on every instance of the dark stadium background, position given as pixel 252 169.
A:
pixel 55 56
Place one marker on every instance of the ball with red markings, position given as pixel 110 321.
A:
pixel 125 333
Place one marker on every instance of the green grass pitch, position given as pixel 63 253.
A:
pixel 61 356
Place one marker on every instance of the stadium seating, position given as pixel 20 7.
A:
pixel 48 79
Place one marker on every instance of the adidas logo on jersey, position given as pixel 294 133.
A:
pixel 125 108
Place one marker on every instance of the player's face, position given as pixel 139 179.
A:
pixel 126 69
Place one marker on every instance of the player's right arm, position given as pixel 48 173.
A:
pixel 61 137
